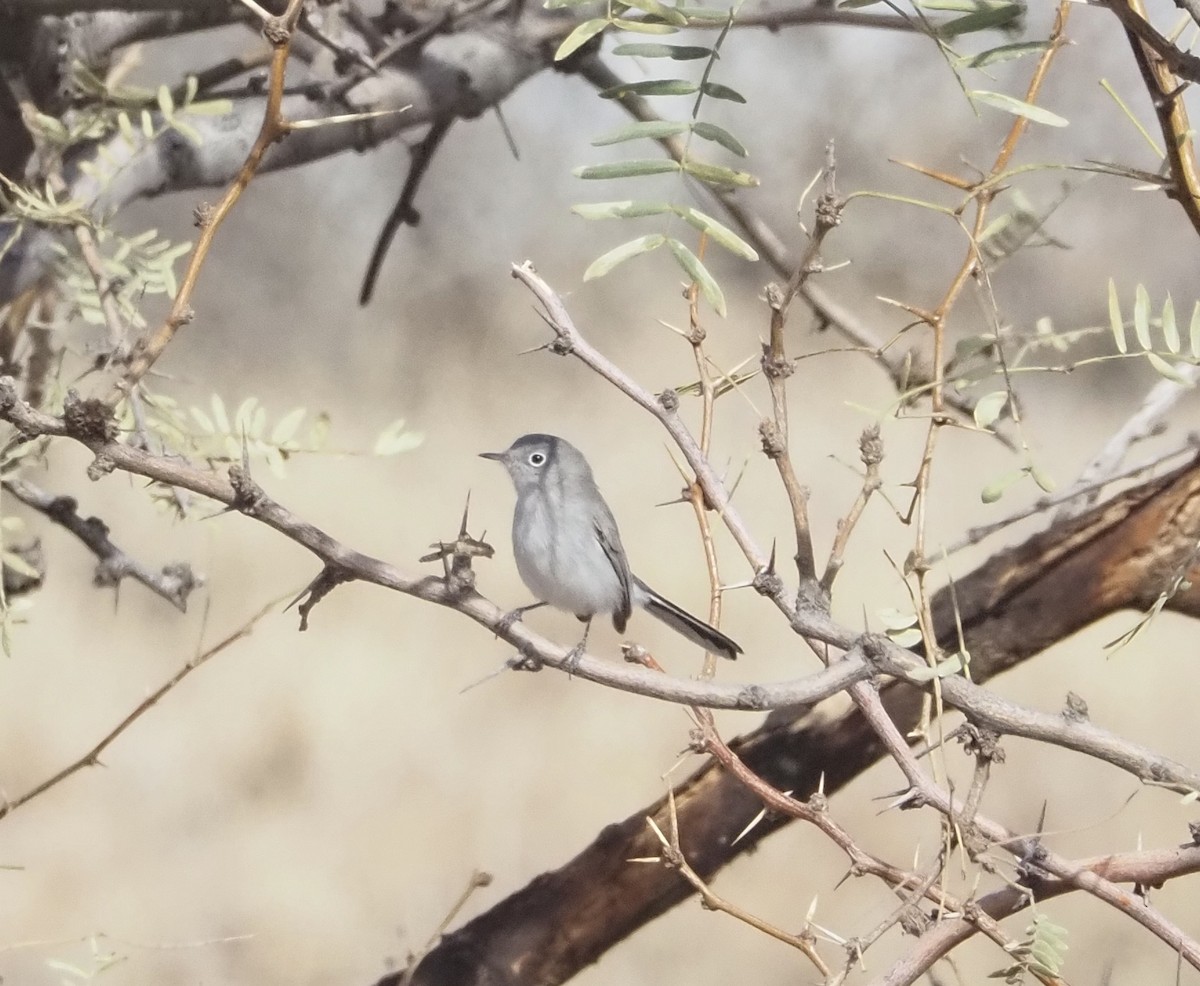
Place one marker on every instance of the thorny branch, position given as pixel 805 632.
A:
pixel 1159 62
pixel 88 423
pixel 936 321
pixel 695 492
pixel 92 757
pixel 777 367
pixel 279 31
pixel 175 582
pixel 1025 849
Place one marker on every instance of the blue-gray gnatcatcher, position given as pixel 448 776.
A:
pixel 567 548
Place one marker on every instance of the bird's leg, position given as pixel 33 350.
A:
pixel 505 622
pixel 571 661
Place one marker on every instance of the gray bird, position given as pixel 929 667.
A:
pixel 569 552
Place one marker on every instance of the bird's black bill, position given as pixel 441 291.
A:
pixel 494 456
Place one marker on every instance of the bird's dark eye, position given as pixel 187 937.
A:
pixel 536 459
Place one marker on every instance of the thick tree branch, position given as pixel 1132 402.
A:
pixel 1121 554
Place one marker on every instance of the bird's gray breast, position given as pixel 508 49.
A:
pixel 559 555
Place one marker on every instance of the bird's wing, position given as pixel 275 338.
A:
pixel 610 542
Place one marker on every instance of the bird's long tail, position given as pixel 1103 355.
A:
pixel 682 622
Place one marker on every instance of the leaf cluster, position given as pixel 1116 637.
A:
pixel 220 436
pixel 653 17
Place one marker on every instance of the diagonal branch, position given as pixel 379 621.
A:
pixel 92 757
pixel 274 127
pixel 174 583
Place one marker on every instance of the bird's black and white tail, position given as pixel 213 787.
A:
pixel 682 622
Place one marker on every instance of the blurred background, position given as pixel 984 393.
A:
pixel 307 807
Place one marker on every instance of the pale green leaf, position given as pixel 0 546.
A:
pixel 1044 480
pixel 211 107
pixel 396 438
pixel 203 420
pixel 642 27
pixel 166 104
pixel 895 619
pixel 1141 317
pixel 906 638
pixel 619 254
pixel 1117 322
pixel 243 417
pixel 1169 328
pixel 1018 107
pixel 988 408
pixel 19 565
pixel 651 87
pixel 710 131
pixel 627 169
pixel 998 487
pixel 582 34
pixel 220 419
pixel 126 127
pixel 653 129
pixel 718 91
pixel 1005 53
pixel 1167 370
pixel 720 234
pixel 628 209
pixel 715 174
pixel 695 269
pixel 679 53
pixel 287 426
pixel 707 15
pixel 1194 332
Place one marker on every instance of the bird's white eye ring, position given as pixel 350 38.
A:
pixel 537 459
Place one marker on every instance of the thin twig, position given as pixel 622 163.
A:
pixel 1090 880
pixel 92 757
pixel 673 856
pixel 870 448
pixel 695 492
pixel 279 31
pixel 1143 423
pixel 777 367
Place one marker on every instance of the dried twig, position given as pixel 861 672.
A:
pixel 278 31
pixel 92 757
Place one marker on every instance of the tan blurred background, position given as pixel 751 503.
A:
pixel 323 797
